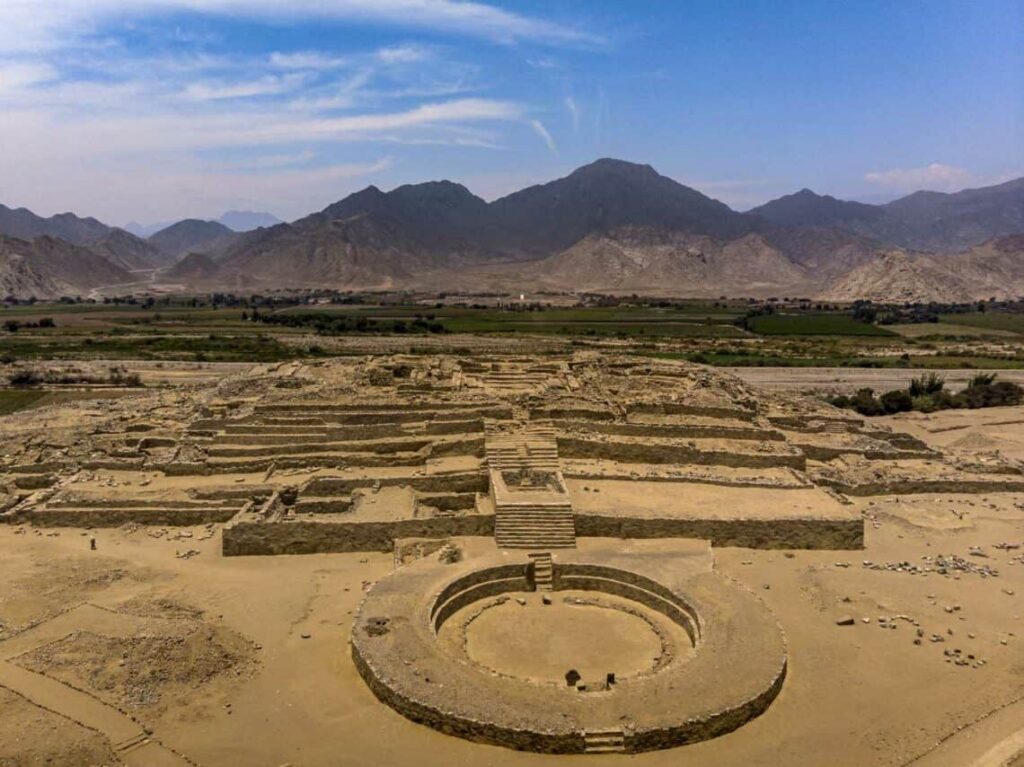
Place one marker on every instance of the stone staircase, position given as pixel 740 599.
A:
pixel 535 526
pixel 514 380
pixel 535 447
pixel 543 570
pixel 604 742
pixel 529 517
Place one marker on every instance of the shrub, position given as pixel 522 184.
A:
pixel 896 401
pixel 26 377
pixel 926 384
pixel 990 395
pixel 865 403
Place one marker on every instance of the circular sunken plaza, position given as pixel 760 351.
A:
pixel 614 646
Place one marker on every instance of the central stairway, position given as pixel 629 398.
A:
pixel 543 571
pixel 604 742
pixel 535 526
pixel 529 516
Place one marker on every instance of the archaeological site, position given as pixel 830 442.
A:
pixel 461 558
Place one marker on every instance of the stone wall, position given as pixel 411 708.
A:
pixel 650 452
pixel 746 533
pixel 320 537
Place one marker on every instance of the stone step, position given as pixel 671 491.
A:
pixel 604 742
pixel 536 544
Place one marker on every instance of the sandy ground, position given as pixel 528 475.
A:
pixel 244 660
pixel 851 379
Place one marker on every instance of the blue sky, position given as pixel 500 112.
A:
pixel 159 109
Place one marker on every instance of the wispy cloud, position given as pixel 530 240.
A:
pixel 93 89
pixel 30 25
pixel 936 176
pixel 264 162
pixel 307 60
pixel 16 76
pixel 403 54
pixel 265 86
pixel 545 135
pixel 574 112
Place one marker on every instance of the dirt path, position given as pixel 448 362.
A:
pixel 993 741
pixel 127 737
pixel 851 379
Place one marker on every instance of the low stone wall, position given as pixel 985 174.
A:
pixel 115 517
pixel 654 739
pixel 648 452
pixel 681 408
pixel 745 533
pixel 920 486
pixel 798 483
pixel 450 723
pixel 677 430
pixel 242 538
pixel 475 482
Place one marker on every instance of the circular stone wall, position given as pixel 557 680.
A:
pixel 472 650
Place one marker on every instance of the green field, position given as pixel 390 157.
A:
pixel 714 333
pixel 811 324
pixel 1008 321
pixel 13 400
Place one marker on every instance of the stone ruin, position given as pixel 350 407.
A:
pixel 539 464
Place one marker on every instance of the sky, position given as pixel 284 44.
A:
pixel 154 110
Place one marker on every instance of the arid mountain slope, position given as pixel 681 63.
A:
pixel 364 251
pixel 992 269
pixel 805 208
pixel 127 251
pixel 658 261
pixel 24 224
pixel 899 277
pixel 603 197
pixel 933 221
pixel 47 267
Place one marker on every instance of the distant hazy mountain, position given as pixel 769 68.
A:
pixel 145 230
pixel 247 220
pixel 188 235
pixel 934 221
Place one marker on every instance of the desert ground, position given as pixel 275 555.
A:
pixel 907 651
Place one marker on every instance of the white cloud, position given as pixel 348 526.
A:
pixel 33 25
pixel 16 76
pixel 937 177
pixel 269 161
pixel 148 122
pixel 265 86
pixel 307 60
pixel 545 135
pixel 574 112
pixel 403 54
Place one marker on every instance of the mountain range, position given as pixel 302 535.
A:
pixel 610 226
pixel 235 220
